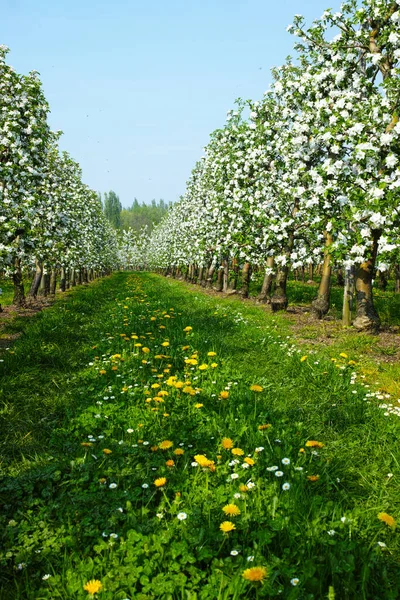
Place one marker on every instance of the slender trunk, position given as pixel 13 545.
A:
pixel 80 277
pixel 62 279
pixel 19 292
pixel 36 280
pixel 310 273
pixel 53 282
pixel 279 300
pixel 201 276
pixel 225 275
pixel 85 276
pixel 233 279
pixel 67 278
pixel 367 318
pixel 46 284
pixel 340 278
pixel 210 274
pixel 220 280
pixel 73 277
pixel 348 296
pixel 321 304
pixel 268 280
pixel 246 275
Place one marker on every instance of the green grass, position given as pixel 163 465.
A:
pixel 59 509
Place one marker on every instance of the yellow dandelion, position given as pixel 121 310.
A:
pixel 303 358
pixel 107 451
pixel 188 329
pixel 385 518
pixel 343 355
pixel 255 574
pixel 179 452
pixel 211 354
pixel 227 526
pixel 249 461
pixel 86 444
pixel 114 368
pixel 256 388
pixel 227 443
pixel 224 394
pixel 166 444
pixel 314 444
pixel 93 586
pixel 145 350
pixel 263 427
pixel 243 488
pixel 199 405
pixel 160 482
pixel 165 344
pixel 237 451
pixel 231 510
pixel 203 367
pixel 202 460
pixel 170 463
pixel 214 365
pixel 312 477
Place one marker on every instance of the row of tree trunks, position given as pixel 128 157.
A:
pixel 45 283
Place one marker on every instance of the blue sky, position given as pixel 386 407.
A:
pixel 137 87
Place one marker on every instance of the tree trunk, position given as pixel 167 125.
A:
pixel 340 278
pixel 36 280
pixel 348 295
pixel 321 304
pixel 310 273
pixel 62 280
pixel 367 318
pixel 246 275
pixel 220 280
pixel 73 277
pixel 53 282
pixel 46 284
pixel 225 275
pixel 80 277
pixel 267 283
pixel 279 300
pixel 233 279
pixel 19 292
pixel 210 274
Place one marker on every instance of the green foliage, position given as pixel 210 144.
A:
pixel 140 215
pixel 81 381
pixel 112 209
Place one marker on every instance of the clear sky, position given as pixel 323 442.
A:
pixel 137 87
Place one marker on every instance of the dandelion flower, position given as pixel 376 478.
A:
pixel 255 574
pixel 314 444
pixel 166 444
pixel 211 354
pixel 237 451
pixel 312 477
pixel 256 388
pixel 249 461
pixel 179 452
pixel 93 586
pixel 227 443
pixel 170 463
pixel 107 451
pixel 387 519
pixel 160 481
pixel 265 426
pixel 227 526
pixel 303 358
pixel 231 510
pixel 224 395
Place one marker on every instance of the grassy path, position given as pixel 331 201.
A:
pixel 131 436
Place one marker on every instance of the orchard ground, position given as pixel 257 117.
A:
pixel 168 443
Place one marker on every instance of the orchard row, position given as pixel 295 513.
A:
pixel 50 221
pixel 309 175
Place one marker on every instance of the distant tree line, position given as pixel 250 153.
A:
pixel 137 216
